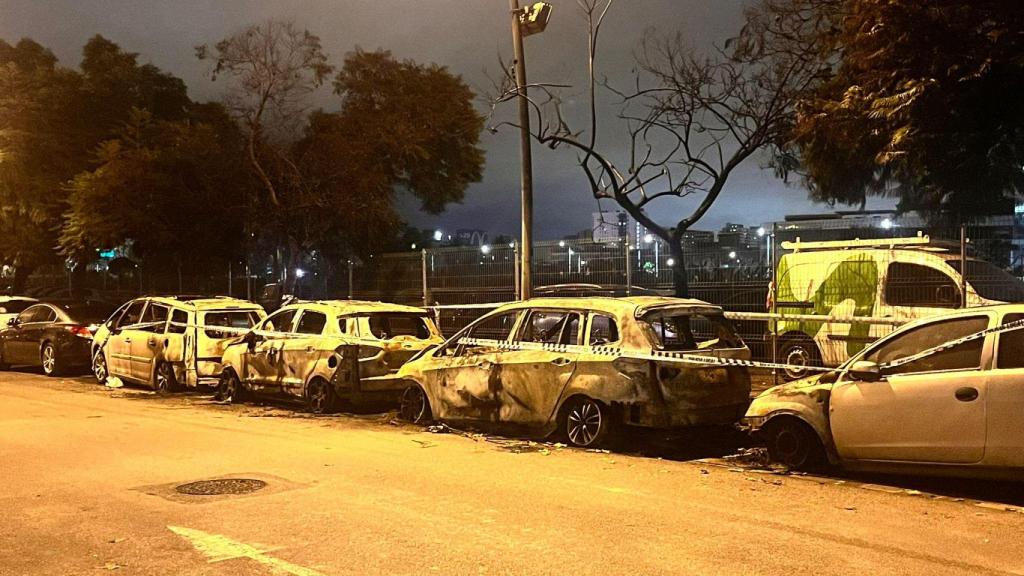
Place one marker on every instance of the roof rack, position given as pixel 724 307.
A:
pixel 920 242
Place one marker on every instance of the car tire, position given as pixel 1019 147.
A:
pixel 586 423
pixel 794 444
pixel 320 396
pixel 230 388
pixel 99 367
pixel 800 351
pixel 164 380
pixel 415 407
pixel 50 360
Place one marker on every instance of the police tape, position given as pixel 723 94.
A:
pixel 616 352
pixel 266 334
pixel 705 360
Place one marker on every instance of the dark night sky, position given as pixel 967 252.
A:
pixel 467 36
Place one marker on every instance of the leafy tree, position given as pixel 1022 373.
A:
pixel 402 126
pixel 921 104
pixel 177 189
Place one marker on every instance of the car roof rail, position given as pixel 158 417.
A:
pixel 919 242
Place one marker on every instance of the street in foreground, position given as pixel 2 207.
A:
pixel 90 485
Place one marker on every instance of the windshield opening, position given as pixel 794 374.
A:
pixel 686 331
pixel 991 282
pixel 385 326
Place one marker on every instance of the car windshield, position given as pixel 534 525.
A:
pixel 390 325
pixel 691 331
pixel 992 282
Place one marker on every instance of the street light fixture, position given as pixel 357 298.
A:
pixel 531 20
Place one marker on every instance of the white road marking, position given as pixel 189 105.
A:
pixel 220 548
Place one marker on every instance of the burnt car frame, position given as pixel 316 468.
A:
pixel 327 352
pixel 579 386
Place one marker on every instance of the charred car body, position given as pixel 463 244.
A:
pixel 910 402
pixel 169 342
pixel 585 377
pixel 326 352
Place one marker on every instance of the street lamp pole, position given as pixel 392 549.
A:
pixel 526 244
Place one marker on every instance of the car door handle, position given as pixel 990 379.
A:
pixel 484 365
pixel 309 348
pixel 560 361
pixel 966 394
pixel 151 342
pixel 127 340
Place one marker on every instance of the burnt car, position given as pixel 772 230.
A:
pixel 326 352
pixel 583 366
pixel 55 336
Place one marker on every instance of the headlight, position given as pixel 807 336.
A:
pixel 754 422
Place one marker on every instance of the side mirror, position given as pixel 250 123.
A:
pixel 13 322
pixel 866 371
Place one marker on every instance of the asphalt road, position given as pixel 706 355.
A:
pixel 88 477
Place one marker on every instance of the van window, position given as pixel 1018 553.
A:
pixel 991 282
pixel 688 331
pixel 155 318
pixel 551 327
pixel 133 315
pixel 966 356
pixel 917 285
pixel 237 319
pixel 386 326
pixel 1011 345
pixel 311 323
pixel 280 321
pixel 603 330
pixel 179 322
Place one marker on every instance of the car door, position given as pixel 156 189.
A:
pixel 147 340
pixel 263 368
pixel 118 347
pixel 929 410
pixel 530 382
pixel 25 338
pixel 1004 444
pixel 301 352
pixel 461 380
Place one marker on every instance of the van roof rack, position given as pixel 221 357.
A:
pixel 919 242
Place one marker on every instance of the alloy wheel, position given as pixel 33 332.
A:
pixel 319 396
pixel 164 377
pixel 99 367
pixel 414 405
pixel 49 359
pixel 584 423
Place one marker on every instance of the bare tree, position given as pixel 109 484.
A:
pixel 275 67
pixel 690 119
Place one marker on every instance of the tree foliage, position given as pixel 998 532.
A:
pixel 921 104
pixel 401 127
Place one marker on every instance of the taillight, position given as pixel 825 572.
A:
pixel 81 331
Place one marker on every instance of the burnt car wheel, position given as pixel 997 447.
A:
pixel 586 423
pixel 230 388
pixel 320 398
pixel 797 353
pixel 164 380
pixel 51 363
pixel 793 444
pixel 415 407
pixel 99 367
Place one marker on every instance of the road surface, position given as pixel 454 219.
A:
pixel 89 474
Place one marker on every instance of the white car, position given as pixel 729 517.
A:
pixel 167 342
pixel 957 412
pixel 11 306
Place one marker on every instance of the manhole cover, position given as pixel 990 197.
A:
pixel 221 486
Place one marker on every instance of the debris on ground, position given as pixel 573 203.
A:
pixel 424 443
pixel 113 382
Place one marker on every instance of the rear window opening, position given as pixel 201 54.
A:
pixel 386 326
pixel 686 331
pixel 238 319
